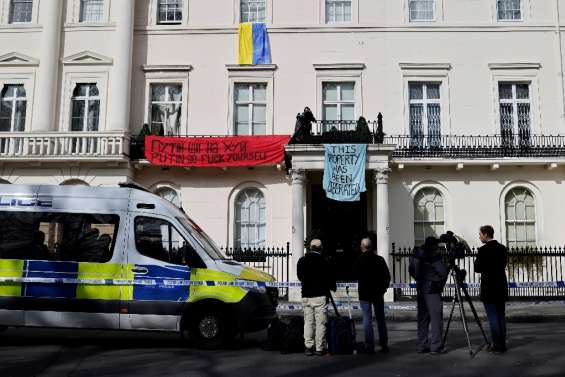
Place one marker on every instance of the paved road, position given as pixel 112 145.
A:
pixel 535 350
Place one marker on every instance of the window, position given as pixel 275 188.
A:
pixel 425 113
pixel 13 107
pixel 166 104
pixel 421 10
pixel 509 10
pixel 170 11
pixel 250 223
pixel 75 237
pixel 515 117
pixel 250 109
pixel 91 11
pixel 253 10
pixel 21 11
pixel 428 215
pixel 169 194
pixel 338 11
pixel 85 108
pixel 520 218
pixel 158 239
pixel 338 101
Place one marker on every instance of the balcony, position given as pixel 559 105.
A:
pixel 64 146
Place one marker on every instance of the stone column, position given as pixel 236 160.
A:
pixel 120 78
pixel 51 14
pixel 381 218
pixel 298 177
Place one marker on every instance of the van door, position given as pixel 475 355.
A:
pixel 75 261
pixel 11 314
pixel 160 259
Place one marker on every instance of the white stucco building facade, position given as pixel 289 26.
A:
pixel 80 78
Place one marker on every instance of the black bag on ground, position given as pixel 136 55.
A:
pixel 340 333
pixel 275 335
pixel 293 339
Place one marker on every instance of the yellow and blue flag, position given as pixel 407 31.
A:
pixel 254 47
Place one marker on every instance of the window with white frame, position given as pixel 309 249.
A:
pixel 166 105
pixel 250 222
pixel 338 101
pixel 13 106
pixel 250 108
pixel 520 214
pixel 169 194
pixel 338 11
pixel 515 112
pixel 253 10
pixel 170 11
pixel 425 112
pixel 91 11
pixel 85 105
pixel 509 10
pixel 21 11
pixel 429 212
pixel 421 10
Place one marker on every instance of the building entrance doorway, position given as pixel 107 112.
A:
pixel 340 226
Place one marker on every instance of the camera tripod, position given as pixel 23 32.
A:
pixel 458 277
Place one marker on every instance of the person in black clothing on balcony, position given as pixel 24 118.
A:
pixel 373 276
pixel 317 280
pixel 491 264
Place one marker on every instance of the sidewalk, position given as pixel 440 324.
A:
pixel 536 311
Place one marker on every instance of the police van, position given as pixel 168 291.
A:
pixel 120 258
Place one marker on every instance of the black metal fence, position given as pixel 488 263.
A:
pixel 272 260
pixel 533 264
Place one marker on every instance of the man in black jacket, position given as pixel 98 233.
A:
pixel 491 264
pixel 430 273
pixel 317 280
pixel 373 278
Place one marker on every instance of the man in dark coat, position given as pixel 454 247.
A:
pixel 430 273
pixel 491 264
pixel 317 280
pixel 373 278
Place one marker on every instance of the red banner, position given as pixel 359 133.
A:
pixel 215 151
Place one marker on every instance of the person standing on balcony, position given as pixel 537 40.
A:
pixel 491 264
pixel 317 280
pixel 373 278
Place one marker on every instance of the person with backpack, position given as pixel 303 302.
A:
pixel 317 280
pixel 429 271
pixel 373 276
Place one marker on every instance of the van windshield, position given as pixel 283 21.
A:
pixel 202 238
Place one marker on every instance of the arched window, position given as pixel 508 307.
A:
pixel 429 217
pixel 74 182
pixel 85 108
pixel 169 194
pixel 520 211
pixel 250 223
pixel 13 104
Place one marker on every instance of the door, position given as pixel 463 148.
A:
pixel 159 261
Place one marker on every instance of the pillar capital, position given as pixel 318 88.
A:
pixel 298 176
pixel 381 175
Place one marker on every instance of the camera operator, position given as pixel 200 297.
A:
pixel 491 264
pixel 430 273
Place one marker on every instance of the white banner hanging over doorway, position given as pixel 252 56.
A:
pixel 344 171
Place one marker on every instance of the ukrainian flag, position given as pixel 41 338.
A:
pixel 254 45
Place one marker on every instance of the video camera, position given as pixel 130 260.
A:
pixel 456 247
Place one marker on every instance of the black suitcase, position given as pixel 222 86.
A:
pixel 275 335
pixel 293 339
pixel 341 332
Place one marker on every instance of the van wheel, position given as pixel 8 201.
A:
pixel 207 329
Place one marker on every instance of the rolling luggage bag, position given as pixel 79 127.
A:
pixel 341 331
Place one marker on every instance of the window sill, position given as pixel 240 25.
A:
pixel 87 26
pixel 20 27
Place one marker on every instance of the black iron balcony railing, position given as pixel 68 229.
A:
pixel 478 146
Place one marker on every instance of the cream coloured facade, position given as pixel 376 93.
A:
pixel 441 71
